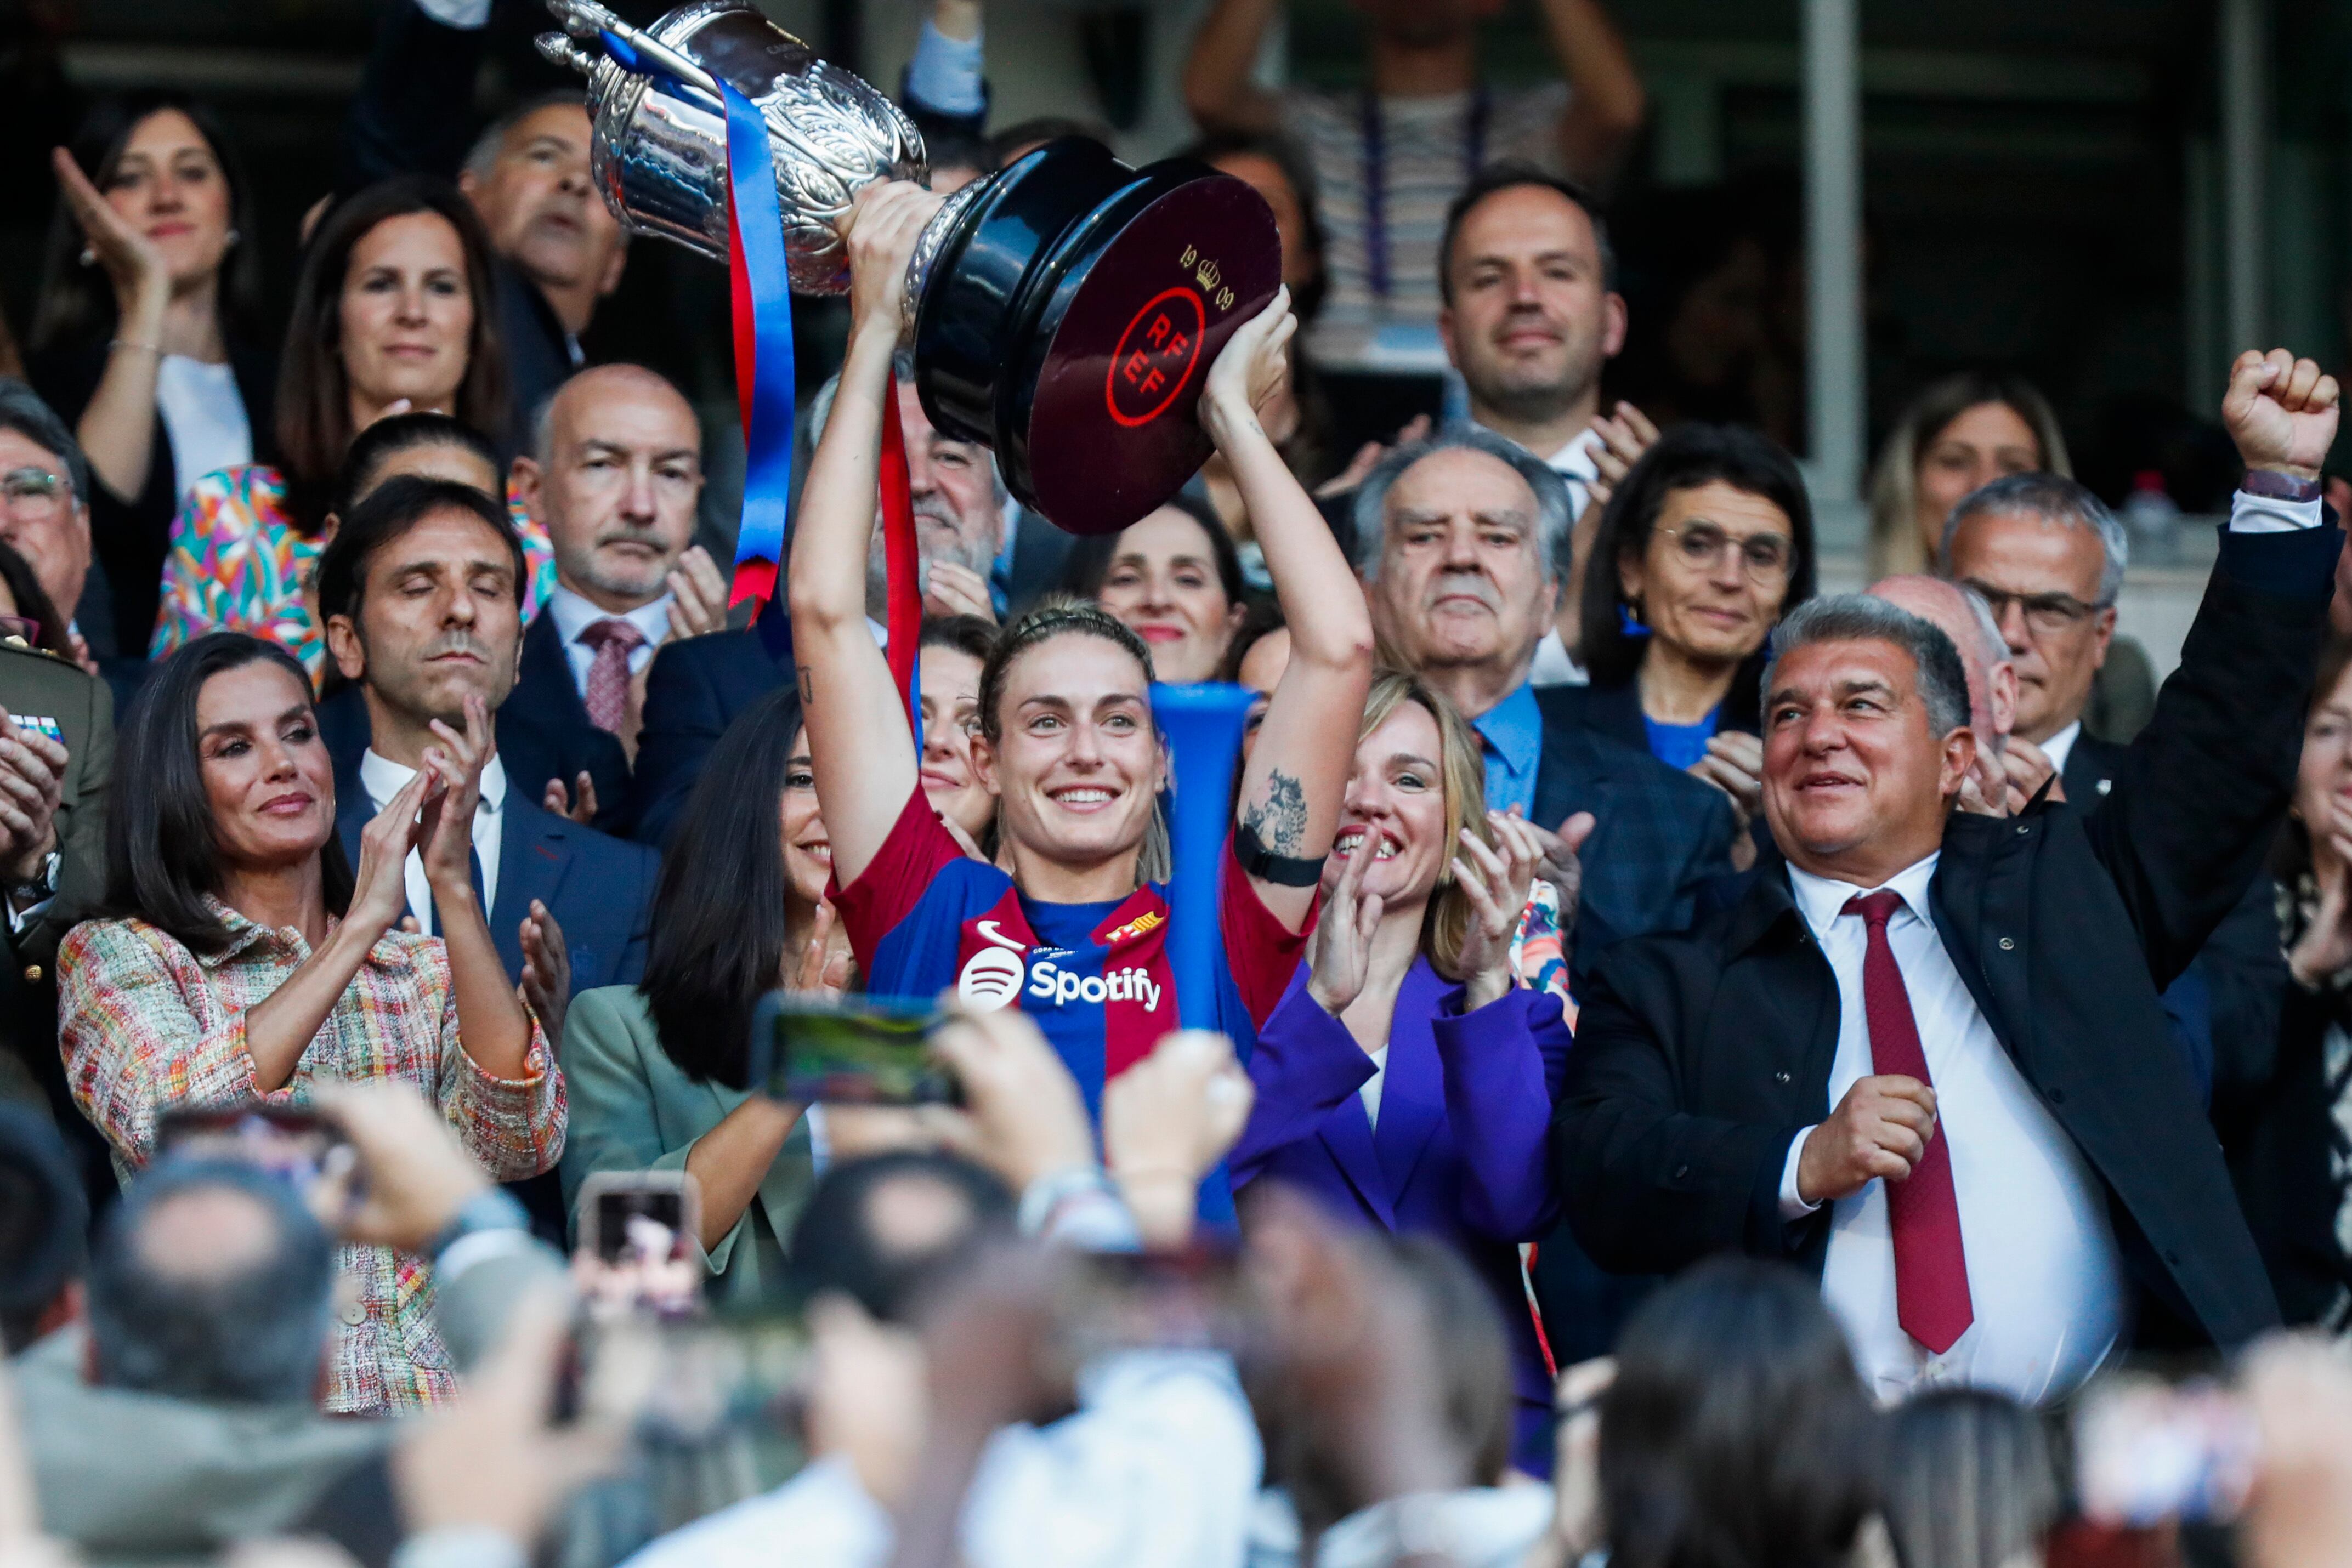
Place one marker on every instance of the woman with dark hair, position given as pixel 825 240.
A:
pixel 241 958
pixel 2285 1118
pixel 22 600
pixel 658 1070
pixel 1406 1078
pixel 955 649
pixel 393 312
pixel 147 337
pixel 1707 544
pixel 1174 579
pixel 1736 1432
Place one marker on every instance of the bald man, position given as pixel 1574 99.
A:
pixel 614 474
pixel 1962 614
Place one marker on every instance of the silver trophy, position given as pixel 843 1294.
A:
pixel 1062 311
pixel 659 148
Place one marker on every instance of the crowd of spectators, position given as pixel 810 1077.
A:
pixel 1703 1071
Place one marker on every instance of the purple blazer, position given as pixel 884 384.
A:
pixel 1460 1150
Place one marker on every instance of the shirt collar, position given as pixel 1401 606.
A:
pixel 2060 745
pixel 1575 460
pixel 1513 731
pixel 574 615
pixel 383 778
pixel 1823 899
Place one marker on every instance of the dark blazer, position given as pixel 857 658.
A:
pixel 1701 1056
pixel 695 689
pixel 2278 1134
pixel 131 538
pixel 544 723
pixel 534 749
pixel 1458 1153
pixel 1659 833
pixel 599 888
pixel 1616 710
pixel 2224 1007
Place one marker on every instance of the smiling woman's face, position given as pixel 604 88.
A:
pixel 267 775
pixel 808 852
pixel 1163 583
pixel 1395 810
pixel 2325 774
pixel 168 185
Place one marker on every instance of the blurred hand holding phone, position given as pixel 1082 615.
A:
pixel 854 1051
pixel 635 1252
pixel 293 1142
pixel 2148 1451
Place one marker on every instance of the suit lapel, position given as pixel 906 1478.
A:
pixel 1794 979
pixel 534 858
pixel 1347 1134
pixel 1413 1090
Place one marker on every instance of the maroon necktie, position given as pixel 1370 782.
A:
pixel 1931 1272
pixel 612 638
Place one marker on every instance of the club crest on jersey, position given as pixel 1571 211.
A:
pixel 1053 985
pixel 1149 920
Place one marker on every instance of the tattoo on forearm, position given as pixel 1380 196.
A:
pixel 808 686
pixel 1280 821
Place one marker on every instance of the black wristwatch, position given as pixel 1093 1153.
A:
pixel 34 888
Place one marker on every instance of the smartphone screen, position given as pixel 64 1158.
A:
pixel 634 1252
pixel 858 1052
pixel 288 1142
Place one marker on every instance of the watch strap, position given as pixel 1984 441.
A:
pixel 1263 863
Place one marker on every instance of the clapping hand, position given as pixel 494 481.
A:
pixel 1562 865
pixel 380 884
pixel 577 804
pixel 1340 953
pixel 32 784
pixel 2324 949
pixel 446 824
pixel 1495 880
pixel 133 264
pixel 824 969
pixel 546 988
pixel 698 602
pixel 1624 436
pixel 1368 458
pixel 950 588
pixel 1167 1121
pixel 1734 764
pixel 2281 412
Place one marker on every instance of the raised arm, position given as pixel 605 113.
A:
pixel 1220 79
pixel 1605 103
pixel 1296 773
pixel 864 757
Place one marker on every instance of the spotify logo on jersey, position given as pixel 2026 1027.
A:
pixel 991 978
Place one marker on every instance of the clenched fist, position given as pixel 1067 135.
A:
pixel 1879 1130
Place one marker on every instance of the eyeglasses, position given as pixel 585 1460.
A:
pixel 20 629
pixel 2048 613
pixel 34 494
pixel 1764 556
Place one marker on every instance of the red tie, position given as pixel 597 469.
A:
pixel 1931 1271
pixel 607 697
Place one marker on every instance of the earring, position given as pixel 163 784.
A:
pixel 88 257
pixel 230 238
pixel 1629 621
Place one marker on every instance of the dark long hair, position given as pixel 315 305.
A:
pixel 314 409
pixel 720 907
pixel 78 301
pixel 1685 458
pixel 1089 559
pixel 33 602
pixel 1738 1434
pixel 161 855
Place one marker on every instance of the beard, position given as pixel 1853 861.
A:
pixel 946 538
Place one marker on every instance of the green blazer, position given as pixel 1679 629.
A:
pixel 634 1109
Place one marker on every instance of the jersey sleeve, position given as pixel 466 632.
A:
pixel 894 882
pixel 1260 950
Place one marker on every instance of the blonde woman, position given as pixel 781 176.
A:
pixel 1405 1077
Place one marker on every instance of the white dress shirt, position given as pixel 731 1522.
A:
pixel 2044 1278
pixel 383 778
pixel 2060 745
pixel 1159 1468
pixel 203 418
pixel 1555 665
pixel 574 616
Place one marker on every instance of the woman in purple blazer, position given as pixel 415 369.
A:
pixel 1406 1079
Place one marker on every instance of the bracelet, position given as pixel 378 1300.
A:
pixel 154 349
pixel 1282 871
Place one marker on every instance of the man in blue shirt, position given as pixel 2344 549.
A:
pixel 1461 541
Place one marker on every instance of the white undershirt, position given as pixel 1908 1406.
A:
pixel 204 419
pixel 2044 1278
pixel 383 778
pixel 1371 1087
pixel 2060 745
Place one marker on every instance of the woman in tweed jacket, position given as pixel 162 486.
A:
pixel 245 960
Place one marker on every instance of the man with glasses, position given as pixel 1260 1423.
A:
pixel 56 750
pixel 2049 557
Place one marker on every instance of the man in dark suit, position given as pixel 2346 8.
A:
pixel 2049 558
pixel 422 593
pixel 1913 1057
pixel 615 476
pixel 1462 541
